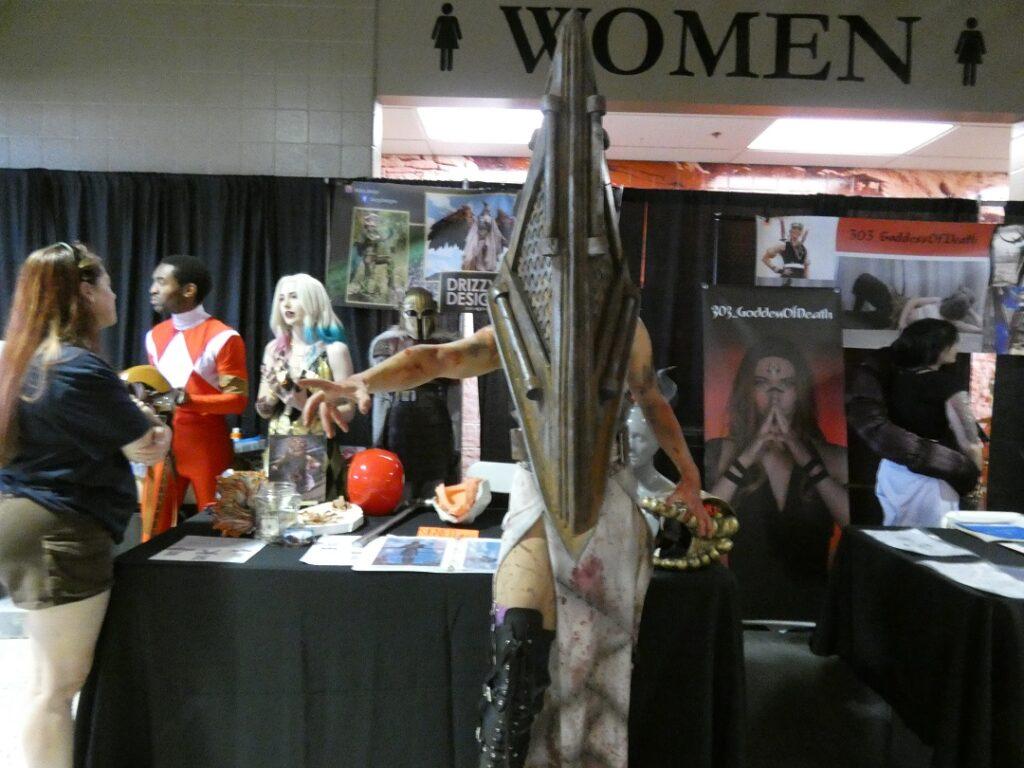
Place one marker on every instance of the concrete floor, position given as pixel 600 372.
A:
pixel 13 682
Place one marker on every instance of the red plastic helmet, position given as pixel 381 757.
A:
pixel 375 481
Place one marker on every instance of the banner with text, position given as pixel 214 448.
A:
pixel 388 237
pixel 465 291
pixel 891 273
pixel 775 432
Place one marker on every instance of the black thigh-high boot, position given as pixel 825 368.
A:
pixel 514 692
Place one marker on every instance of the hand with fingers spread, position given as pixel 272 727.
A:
pixel 327 399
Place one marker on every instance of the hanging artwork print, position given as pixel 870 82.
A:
pixel 796 251
pixel 378 256
pixel 892 273
pixel 775 439
pixel 387 238
pixel 376 244
pixel 466 232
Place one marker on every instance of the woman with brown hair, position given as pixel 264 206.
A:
pixel 67 431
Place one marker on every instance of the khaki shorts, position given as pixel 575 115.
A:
pixel 51 558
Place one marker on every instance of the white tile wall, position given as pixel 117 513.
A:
pixel 281 87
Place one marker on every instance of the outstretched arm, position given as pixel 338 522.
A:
pixel 643 385
pixel 460 359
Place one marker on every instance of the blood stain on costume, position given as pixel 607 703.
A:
pixel 588 577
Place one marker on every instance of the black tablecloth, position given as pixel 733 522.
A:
pixel 948 658
pixel 277 663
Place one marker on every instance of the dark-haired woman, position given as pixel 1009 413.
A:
pixel 925 398
pixel 67 430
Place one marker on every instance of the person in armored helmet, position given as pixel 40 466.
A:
pixel 418 424
pixel 576 552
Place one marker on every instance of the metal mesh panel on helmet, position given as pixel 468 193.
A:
pixel 534 270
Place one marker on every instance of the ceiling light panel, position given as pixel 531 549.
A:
pixel 847 137
pixel 479 125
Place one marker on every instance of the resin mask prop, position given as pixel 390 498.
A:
pixel 419 314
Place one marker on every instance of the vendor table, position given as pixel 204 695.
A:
pixel 277 663
pixel 948 658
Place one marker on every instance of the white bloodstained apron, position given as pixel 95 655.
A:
pixel 598 602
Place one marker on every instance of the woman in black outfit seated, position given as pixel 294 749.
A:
pixel 925 399
pixel 67 430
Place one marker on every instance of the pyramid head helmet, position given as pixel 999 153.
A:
pixel 563 307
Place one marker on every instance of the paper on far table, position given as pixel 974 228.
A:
pixel 210 549
pixel 980 575
pixel 919 542
pixel 332 550
pixel 993 532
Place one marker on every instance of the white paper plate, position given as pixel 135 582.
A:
pixel 351 519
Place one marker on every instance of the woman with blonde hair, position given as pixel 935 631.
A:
pixel 309 342
pixel 67 431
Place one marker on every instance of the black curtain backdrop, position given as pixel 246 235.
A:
pixel 1014 212
pixel 678 240
pixel 250 230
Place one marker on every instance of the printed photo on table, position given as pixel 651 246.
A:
pixel 302 460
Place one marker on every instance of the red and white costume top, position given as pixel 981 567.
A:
pixel 193 350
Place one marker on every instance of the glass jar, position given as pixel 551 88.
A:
pixel 277 507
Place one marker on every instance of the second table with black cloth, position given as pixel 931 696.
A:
pixel 277 663
pixel 948 658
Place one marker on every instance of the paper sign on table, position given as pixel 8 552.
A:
pixel 332 550
pixel 981 575
pixel 210 549
pixel 430 554
pixel 447 533
pixel 919 542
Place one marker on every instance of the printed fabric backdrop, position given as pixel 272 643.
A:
pixel 891 273
pixel 775 434
pixel 388 237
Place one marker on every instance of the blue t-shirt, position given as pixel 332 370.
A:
pixel 69 441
